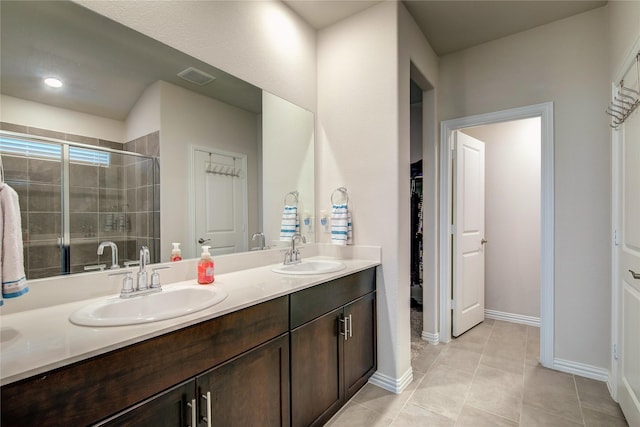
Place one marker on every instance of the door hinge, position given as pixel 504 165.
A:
pixel 616 242
pixel 453 228
pixel 453 304
pixel 615 351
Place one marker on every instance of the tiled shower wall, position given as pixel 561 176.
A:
pixel 119 203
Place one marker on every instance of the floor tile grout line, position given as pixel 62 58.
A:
pixel 474 375
pixel 424 376
pixel 575 387
pixel 524 377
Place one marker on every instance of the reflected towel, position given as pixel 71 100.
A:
pixel 14 282
pixel 341 226
pixel 290 223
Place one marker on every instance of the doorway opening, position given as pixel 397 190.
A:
pixel 448 228
pixel 416 211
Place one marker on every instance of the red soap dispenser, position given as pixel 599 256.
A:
pixel 205 267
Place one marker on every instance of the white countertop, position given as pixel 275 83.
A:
pixel 39 340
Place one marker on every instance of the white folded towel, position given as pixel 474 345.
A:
pixel 341 226
pixel 290 223
pixel 14 282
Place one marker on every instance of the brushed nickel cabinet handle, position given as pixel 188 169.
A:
pixel 194 416
pixel 635 275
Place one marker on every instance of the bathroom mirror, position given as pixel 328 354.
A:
pixel 175 130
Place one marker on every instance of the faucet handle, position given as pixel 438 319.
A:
pixel 127 282
pixel 155 277
pixel 95 267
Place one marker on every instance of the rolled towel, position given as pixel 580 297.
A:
pixel 14 282
pixel 290 223
pixel 341 225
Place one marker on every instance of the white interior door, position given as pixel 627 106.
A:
pixel 629 259
pixel 468 234
pixel 220 204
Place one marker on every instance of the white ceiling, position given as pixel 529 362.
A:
pixel 454 25
pixel 109 66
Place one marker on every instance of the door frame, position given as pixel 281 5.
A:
pixel 447 127
pixel 192 200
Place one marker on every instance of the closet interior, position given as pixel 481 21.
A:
pixel 416 135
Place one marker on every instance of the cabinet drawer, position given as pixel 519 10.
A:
pixel 93 389
pixel 313 302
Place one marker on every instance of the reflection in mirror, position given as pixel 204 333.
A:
pixel 148 108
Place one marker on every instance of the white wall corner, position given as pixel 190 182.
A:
pixel 431 338
pixel 394 385
pixel 582 370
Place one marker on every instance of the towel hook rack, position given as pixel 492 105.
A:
pixel 340 190
pixel 625 100
pixel 295 196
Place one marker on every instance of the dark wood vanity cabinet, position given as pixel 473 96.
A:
pixel 249 390
pixel 333 345
pixel 294 360
pixel 94 389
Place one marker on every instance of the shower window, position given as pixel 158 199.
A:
pixel 72 197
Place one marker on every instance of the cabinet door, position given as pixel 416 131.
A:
pixel 316 375
pixel 360 345
pixel 250 390
pixel 173 408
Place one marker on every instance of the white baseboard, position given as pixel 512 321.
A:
pixel 581 369
pixel 394 385
pixel 431 338
pixel 511 317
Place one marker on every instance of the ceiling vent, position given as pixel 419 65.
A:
pixel 195 76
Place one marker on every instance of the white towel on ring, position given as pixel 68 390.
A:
pixel 290 223
pixel 14 282
pixel 341 226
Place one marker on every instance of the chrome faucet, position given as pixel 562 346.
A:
pixel 260 237
pixel 292 256
pixel 114 253
pixel 142 273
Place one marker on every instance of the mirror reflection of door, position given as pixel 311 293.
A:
pixel 220 201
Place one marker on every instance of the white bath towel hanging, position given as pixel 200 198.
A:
pixel 290 223
pixel 341 225
pixel 14 282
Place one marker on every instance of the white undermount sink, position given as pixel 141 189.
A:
pixel 172 301
pixel 310 267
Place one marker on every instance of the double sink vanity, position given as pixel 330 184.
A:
pixel 266 345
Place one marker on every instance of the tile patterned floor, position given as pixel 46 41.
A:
pixel 490 377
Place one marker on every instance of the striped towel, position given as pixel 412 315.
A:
pixel 341 227
pixel 290 223
pixel 14 282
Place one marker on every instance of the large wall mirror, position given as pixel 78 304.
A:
pixel 141 145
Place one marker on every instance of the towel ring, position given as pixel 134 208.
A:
pixel 342 190
pixel 295 195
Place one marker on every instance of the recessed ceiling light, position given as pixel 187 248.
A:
pixel 52 82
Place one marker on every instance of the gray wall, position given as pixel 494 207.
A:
pixel 560 62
